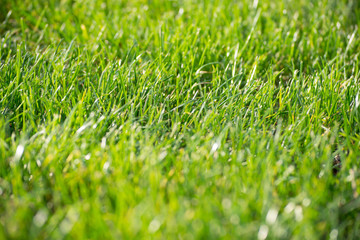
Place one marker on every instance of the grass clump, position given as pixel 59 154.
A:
pixel 179 119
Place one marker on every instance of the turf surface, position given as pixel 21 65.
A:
pixel 179 119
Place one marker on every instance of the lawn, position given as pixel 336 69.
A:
pixel 187 119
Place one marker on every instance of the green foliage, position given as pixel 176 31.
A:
pixel 179 119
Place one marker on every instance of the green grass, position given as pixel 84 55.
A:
pixel 183 119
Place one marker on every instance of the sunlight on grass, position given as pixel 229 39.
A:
pixel 179 119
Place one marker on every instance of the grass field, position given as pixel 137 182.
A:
pixel 154 119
